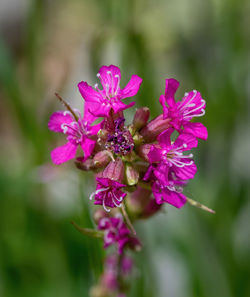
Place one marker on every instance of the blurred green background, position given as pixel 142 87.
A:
pixel 48 47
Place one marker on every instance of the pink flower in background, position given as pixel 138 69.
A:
pixel 78 132
pixel 110 96
pixel 115 232
pixel 169 155
pixel 108 193
pixel 182 112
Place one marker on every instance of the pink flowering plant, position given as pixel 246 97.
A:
pixel 138 167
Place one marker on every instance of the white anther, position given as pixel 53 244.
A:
pixel 64 128
pixel 66 112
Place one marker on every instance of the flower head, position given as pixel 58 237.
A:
pixel 109 97
pixel 108 193
pixel 115 232
pixel 78 131
pixel 169 155
pixel 182 112
pixel 120 140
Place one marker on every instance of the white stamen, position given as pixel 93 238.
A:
pixel 64 128
pixel 184 104
pixel 106 238
pixel 107 91
pixel 97 192
pixel 103 203
pixel 185 114
pixel 66 112
pixel 118 84
pixel 184 145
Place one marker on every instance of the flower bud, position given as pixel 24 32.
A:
pixel 154 128
pixel 114 170
pixel 132 175
pixel 140 119
pixel 102 158
pixel 143 151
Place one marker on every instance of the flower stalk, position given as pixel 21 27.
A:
pixel 142 165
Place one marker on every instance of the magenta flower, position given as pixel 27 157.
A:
pixel 182 112
pixel 108 193
pixel 115 232
pixel 78 132
pixel 169 155
pixel 110 96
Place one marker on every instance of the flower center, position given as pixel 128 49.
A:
pixel 110 89
pixel 75 131
pixel 121 141
pixel 175 156
pixel 189 109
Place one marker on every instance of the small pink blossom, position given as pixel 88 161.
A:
pixel 115 232
pixel 78 132
pixel 110 96
pixel 169 155
pixel 182 112
pixel 108 193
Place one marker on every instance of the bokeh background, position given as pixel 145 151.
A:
pixel 48 47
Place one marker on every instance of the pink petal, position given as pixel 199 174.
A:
pixel 162 100
pixel 63 153
pixel 109 79
pixel 164 138
pixel 162 173
pixel 131 88
pixel 154 154
pixel 170 90
pixel 186 172
pixel 174 198
pixel 196 129
pixel 87 146
pixel 87 115
pixel 88 93
pixel 192 105
pixel 57 119
pixel 187 141
pixel 95 128
pixel 120 106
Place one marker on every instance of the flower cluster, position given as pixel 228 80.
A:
pixel 139 166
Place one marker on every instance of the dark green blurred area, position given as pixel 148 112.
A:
pixel 48 47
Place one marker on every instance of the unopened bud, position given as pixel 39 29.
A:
pixel 102 158
pixel 135 244
pixel 143 151
pixel 140 119
pixel 114 170
pixel 102 134
pixel 154 128
pixel 132 175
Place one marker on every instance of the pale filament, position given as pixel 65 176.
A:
pixel 184 105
